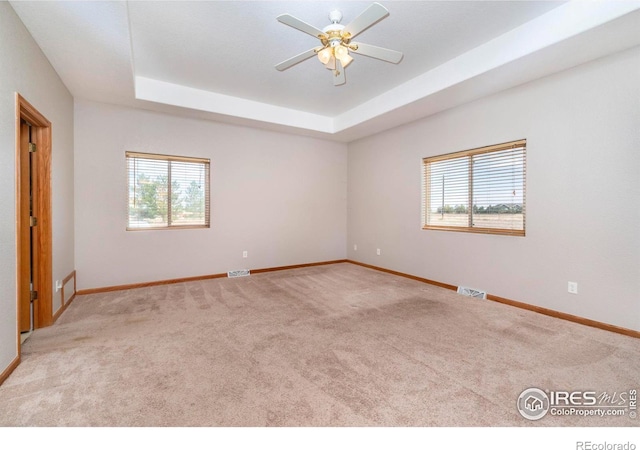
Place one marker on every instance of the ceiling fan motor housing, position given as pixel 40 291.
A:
pixel 334 35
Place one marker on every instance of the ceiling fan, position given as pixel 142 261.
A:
pixel 335 40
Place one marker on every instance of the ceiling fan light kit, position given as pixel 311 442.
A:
pixel 336 41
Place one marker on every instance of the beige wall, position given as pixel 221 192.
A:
pixel 583 191
pixel 25 69
pixel 280 197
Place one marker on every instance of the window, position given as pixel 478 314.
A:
pixel 478 191
pixel 167 191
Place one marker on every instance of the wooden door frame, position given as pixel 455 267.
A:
pixel 41 136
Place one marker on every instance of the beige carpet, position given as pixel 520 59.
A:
pixel 336 345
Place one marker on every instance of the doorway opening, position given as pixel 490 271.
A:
pixel 33 219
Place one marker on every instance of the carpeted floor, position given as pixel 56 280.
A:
pixel 335 345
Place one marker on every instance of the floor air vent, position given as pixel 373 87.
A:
pixel 469 292
pixel 238 273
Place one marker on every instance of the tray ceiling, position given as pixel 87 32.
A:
pixel 215 59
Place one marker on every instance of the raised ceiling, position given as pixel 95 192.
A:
pixel 215 59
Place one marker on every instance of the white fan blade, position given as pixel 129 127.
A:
pixel 372 15
pixel 338 74
pixel 298 24
pixel 372 51
pixel 284 65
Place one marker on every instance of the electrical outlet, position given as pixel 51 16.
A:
pixel 355 246
pixel 573 287
pixel 245 254
pixel 58 285
pixel 378 251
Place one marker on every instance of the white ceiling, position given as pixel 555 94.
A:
pixel 215 59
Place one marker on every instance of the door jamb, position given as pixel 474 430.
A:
pixel 41 135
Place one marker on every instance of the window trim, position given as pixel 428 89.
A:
pixel 470 153
pixel 205 161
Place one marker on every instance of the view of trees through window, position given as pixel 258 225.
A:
pixel 166 192
pixel 480 190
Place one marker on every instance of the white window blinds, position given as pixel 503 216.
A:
pixel 480 190
pixel 167 191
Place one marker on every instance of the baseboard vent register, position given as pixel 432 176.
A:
pixel 239 273
pixel 469 292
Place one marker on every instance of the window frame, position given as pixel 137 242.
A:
pixel 426 194
pixel 171 158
